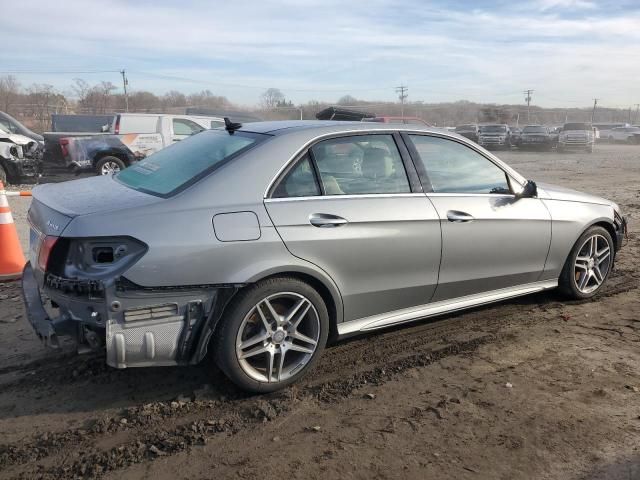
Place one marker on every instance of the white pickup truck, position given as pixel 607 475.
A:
pixel 132 137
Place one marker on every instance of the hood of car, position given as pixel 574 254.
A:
pixel 554 192
pixel 90 195
pixel 15 138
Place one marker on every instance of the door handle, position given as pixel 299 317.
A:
pixel 326 220
pixel 459 217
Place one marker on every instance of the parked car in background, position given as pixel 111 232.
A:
pixel 132 137
pixel 604 129
pixel 514 133
pixel 255 242
pixel 535 137
pixel 20 158
pixel 469 131
pixel 623 134
pixel 577 136
pixel 8 124
pixel 494 136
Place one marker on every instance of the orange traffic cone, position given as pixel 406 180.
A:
pixel 11 257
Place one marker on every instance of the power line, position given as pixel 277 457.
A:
pixel 54 72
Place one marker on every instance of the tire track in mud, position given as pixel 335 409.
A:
pixel 229 419
pixel 159 429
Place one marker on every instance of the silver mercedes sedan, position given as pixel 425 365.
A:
pixel 257 243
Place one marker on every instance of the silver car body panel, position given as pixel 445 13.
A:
pixel 397 257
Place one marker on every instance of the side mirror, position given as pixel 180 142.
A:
pixel 530 190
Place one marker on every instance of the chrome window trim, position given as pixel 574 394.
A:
pixel 390 131
pixel 344 197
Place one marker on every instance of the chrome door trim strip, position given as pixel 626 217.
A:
pixel 344 197
pixel 396 317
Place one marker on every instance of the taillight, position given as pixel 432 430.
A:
pixel 45 250
pixel 64 142
pixel 116 128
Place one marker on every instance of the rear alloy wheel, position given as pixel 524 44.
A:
pixel 589 264
pixel 109 165
pixel 272 335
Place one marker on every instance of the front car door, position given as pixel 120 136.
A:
pixel 348 206
pixel 490 238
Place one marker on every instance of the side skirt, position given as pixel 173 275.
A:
pixel 396 317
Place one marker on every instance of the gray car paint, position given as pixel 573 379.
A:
pixel 385 260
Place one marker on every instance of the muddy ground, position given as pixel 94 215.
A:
pixel 530 388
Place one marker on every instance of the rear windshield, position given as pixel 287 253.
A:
pixel 576 126
pixel 174 168
pixel 534 130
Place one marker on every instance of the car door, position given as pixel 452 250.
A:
pixel 490 238
pixel 183 128
pixel 348 206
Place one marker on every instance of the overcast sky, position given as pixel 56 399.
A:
pixel 569 51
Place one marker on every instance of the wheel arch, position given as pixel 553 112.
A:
pixel 111 153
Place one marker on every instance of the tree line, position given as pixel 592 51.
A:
pixel 35 103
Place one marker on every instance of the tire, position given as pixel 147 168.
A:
pixel 109 165
pixel 242 323
pixel 571 277
pixel 3 175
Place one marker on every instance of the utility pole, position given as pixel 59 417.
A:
pixel 401 90
pixel 635 117
pixel 593 113
pixel 125 82
pixel 528 93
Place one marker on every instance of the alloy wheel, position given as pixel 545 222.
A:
pixel 109 168
pixel 592 264
pixel 278 337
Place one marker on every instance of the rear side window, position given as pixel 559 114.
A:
pixel 455 168
pixel 182 126
pixel 300 181
pixel 362 164
pixel 174 168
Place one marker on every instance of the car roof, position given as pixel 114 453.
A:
pixel 329 126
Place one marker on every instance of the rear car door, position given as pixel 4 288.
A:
pixel 490 238
pixel 350 206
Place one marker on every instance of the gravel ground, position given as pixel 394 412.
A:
pixel 535 387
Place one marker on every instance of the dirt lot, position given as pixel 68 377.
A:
pixel 530 388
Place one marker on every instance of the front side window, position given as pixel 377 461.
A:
pixel 182 126
pixel 173 168
pixel 362 164
pixel 455 168
pixel 300 181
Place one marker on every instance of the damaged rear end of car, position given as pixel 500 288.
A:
pixel 77 286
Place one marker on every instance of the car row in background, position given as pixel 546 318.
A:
pixel 570 136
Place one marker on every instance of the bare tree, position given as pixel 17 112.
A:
pixel 347 100
pixel 174 98
pixel 9 92
pixel 43 100
pixel 271 98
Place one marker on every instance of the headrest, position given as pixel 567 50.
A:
pixel 376 163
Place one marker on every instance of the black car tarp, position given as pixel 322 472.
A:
pixel 336 113
pixel 80 123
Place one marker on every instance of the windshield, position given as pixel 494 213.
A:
pixel 463 128
pixel 576 126
pixel 534 130
pixel 493 129
pixel 172 169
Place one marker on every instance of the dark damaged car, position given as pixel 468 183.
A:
pixel 20 158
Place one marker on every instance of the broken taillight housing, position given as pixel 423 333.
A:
pixel 45 251
pixel 64 146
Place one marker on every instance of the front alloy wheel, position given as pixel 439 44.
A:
pixel 592 264
pixel 588 265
